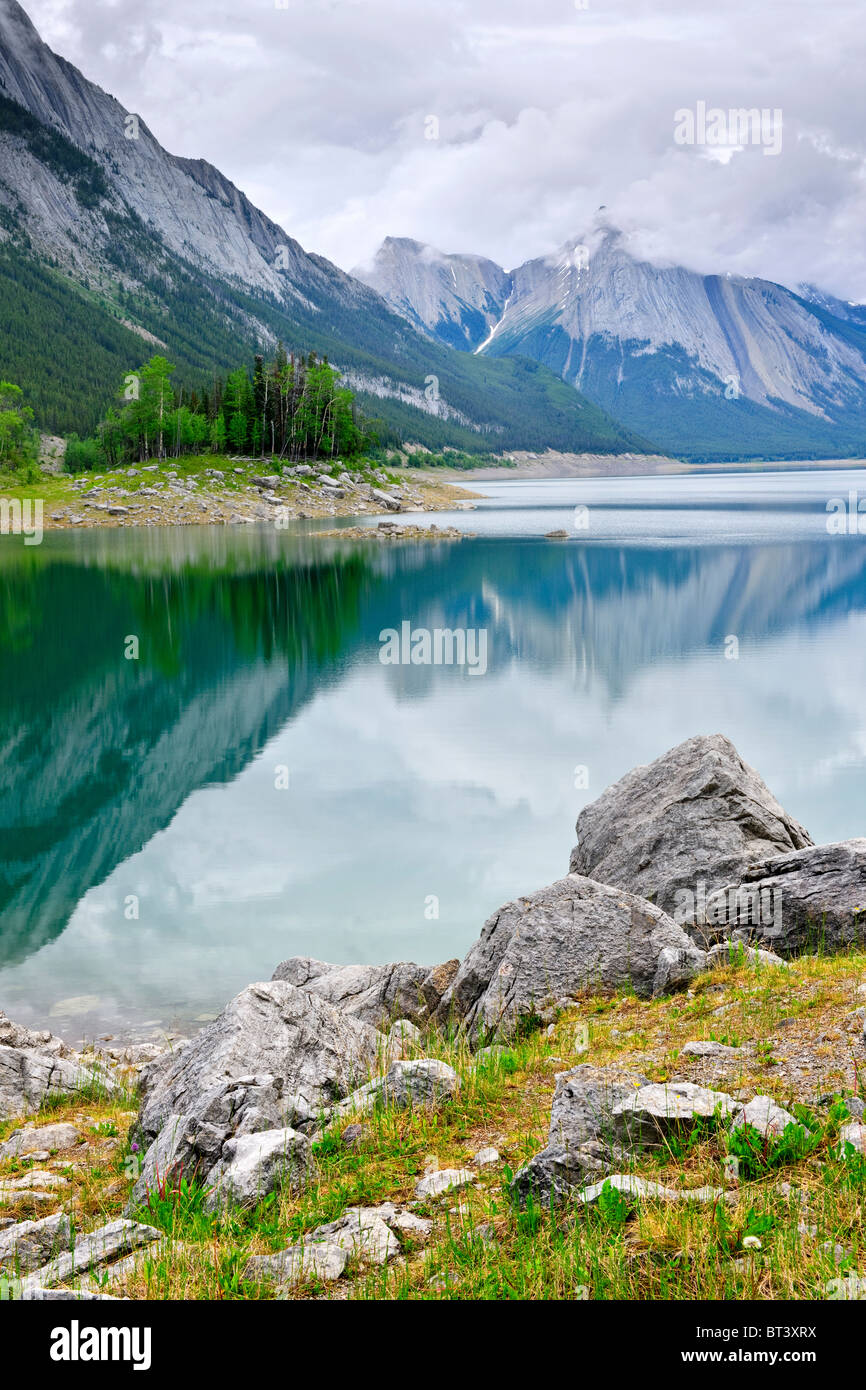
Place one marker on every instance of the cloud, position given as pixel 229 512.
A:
pixel 321 113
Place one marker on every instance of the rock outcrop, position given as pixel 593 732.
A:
pixel 253 1165
pixel 37 1139
pixel 683 827
pixel 29 1245
pixel 306 1046
pixel 764 1115
pixel 651 1115
pixel 633 1189
pixel 273 1060
pixel 581 1138
pixel 86 1251
pixel 424 1082
pixel 17 1035
pixel 536 954
pixel 813 899
pixel 375 994
pixel 366 1235
pixel 29 1074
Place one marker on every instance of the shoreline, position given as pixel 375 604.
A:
pixel 552 465
pixel 197 492
pixel 244 492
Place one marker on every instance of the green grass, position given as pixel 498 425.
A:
pixel 791 1196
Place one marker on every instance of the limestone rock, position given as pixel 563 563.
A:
pixel 552 1175
pixel 633 1189
pixel 19 1192
pixel 406 1085
pixel 353 1135
pixel 580 1139
pixel 698 815
pixel 33 1178
pixel 191 1144
pixel 170 1155
pixel 303 1044
pixel 709 1049
pixel 29 1245
pixel 252 1165
pixel 443 1180
pixel 375 994
pixel 35 1294
pixel 538 953
pixel 584 1101
pixel 16 1035
pixel 31 1140
pixel 737 953
pixel 652 1113
pixel 403 1039
pixel 365 1234
pixel 362 1233
pixel 96 1248
pixel 764 1115
pixel 290 1267
pixel 398 1218
pixel 273 1060
pixel 393 504
pixel 29 1074
pixel 813 899
pixel 853 1133
pixel 852 1287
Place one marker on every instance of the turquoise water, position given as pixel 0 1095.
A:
pixel 258 784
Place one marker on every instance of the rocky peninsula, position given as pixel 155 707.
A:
pixel 234 491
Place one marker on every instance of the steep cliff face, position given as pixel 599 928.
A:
pixel 758 334
pixel 457 299
pixel 222 229
pixel 705 363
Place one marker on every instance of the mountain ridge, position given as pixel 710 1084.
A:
pixel 707 363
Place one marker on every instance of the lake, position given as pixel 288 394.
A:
pixel 247 780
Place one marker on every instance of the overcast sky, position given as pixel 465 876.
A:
pixel 320 113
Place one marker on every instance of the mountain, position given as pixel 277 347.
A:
pixel 457 299
pixel 709 366
pixel 111 248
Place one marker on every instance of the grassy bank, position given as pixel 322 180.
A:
pixel 799 1208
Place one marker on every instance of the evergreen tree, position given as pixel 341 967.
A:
pixel 19 441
